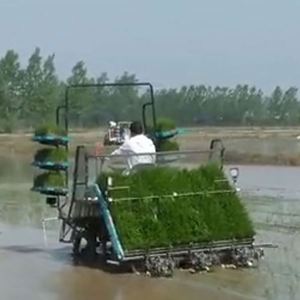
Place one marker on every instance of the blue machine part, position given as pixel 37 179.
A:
pixel 166 134
pixel 182 130
pixel 51 139
pixel 49 165
pixel 51 191
pixel 116 244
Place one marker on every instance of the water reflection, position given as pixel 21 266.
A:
pixel 20 206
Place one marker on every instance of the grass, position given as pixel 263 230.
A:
pixel 57 155
pixel 49 129
pixel 50 179
pixel 165 219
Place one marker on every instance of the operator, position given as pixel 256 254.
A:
pixel 138 143
pixel 112 124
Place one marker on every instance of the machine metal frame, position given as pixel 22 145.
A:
pixel 98 230
pixel 62 117
pixel 66 104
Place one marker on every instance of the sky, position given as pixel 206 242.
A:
pixel 167 42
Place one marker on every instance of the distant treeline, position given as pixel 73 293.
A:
pixel 29 96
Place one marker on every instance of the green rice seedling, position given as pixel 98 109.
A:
pixel 164 124
pixel 166 145
pixel 171 207
pixel 56 155
pixel 49 129
pixel 50 179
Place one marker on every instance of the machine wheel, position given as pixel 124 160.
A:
pixel 77 245
pixel 106 141
pixel 84 245
pixel 157 266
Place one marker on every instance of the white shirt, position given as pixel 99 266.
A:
pixel 138 144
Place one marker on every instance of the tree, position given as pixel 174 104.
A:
pixel 29 96
pixel 274 105
pixel 31 83
pixel 10 100
pixel 290 107
pixel 50 88
pixel 40 89
pixel 80 99
pixel 126 99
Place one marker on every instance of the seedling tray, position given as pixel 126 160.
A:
pixel 49 165
pixel 51 140
pixel 53 191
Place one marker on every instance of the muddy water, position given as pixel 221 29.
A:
pixel 31 270
pixel 264 146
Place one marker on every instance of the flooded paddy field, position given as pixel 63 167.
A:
pixel 30 269
pixel 275 146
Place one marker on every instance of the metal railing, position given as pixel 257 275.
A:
pixel 180 159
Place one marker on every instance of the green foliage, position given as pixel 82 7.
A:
pixel 40 88
pixel 10 99
pixel 165 124
pixel 29 96
pixel 166 145
pixel 56 155
pixel 167 218
pixel 50 179
pixel 49 129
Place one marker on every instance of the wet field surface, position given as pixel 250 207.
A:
pixel 29 269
